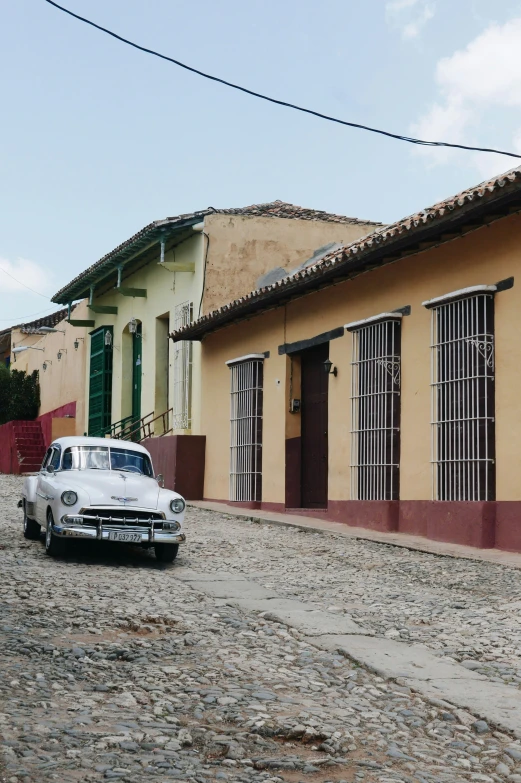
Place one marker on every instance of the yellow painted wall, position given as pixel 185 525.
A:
pixel 165 290
pixel 486 256
pixel 63 381
pixel 240 250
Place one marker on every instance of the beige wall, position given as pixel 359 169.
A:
pixel 165 290
pixel 63 381
pixel 242 249
pixel 486 256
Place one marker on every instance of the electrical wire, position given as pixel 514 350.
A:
pixel 20 283
pixel 409 139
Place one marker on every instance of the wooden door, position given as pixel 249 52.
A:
pixel 314 397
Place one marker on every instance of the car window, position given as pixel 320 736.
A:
pixel 55 459
pixel 130 461
pixel 101 458
pixel 46 459
pixel 86 457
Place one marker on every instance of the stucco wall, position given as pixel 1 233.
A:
pixel 242 249
pixel 486 256
pixel 63 381
pixel 165 290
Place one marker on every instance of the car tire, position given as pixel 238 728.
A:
pixel 54 546
pixel 166 553
pixel 32 529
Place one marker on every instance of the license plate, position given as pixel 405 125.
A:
pixel 121 535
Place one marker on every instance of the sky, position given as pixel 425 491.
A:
pixel 98 139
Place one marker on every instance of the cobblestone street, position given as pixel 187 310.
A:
pixel 114 668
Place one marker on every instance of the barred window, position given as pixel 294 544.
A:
pixel 463 405
pixel 246 428
pixel 182 414
pixel 375 408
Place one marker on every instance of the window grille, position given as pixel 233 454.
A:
pixel 463 406
pixel 375 411
pixel 246 430
pixel 182 413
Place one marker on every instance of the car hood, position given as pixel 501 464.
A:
pixel 113 488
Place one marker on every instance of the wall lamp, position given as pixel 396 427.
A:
pixel 61 352
pixel 329 369
pixel 77 342
pixel 46 362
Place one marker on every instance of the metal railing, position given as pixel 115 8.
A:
pixel 147 427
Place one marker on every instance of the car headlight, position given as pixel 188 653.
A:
pixel 69 498
pixel 178 505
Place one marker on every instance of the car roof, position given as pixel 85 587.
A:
pixel 77 440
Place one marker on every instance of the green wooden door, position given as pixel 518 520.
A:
pixel 100 380
pixel 137 344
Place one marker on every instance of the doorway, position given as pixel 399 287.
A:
pixel 314 423
pixel 137 345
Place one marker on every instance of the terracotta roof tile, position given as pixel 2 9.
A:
pixel 351 255
pixel 277 209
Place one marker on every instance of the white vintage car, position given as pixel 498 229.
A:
pixel 96 488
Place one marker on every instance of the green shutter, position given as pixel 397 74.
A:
pixel 100 381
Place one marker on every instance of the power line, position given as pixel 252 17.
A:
pixel 409 139
pixel 20 283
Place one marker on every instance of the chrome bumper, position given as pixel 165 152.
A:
pixel 70 528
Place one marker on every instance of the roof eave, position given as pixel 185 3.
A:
pixel 80 288
pixel 352 261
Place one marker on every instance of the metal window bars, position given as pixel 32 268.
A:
pixel 246 430
pixel 463 404
pixel 375 411
pixel 182 417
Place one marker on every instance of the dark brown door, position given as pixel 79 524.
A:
pixel 314 395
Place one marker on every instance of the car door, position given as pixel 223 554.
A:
pixel 41 502
pixel 47 481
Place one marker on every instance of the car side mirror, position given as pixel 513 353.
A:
pixel 160 479
pixel 50 469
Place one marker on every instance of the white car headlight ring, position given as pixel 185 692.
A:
pixel 69 498
pixel 177 506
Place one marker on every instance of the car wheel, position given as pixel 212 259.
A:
pixel 31 528
pixel 54 546
pixel 166 553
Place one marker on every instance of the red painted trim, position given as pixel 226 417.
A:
pixel 508 525
pixel 69 409
pixel 483 525
pixel 455 522
pixel 180 458
pixel 371 514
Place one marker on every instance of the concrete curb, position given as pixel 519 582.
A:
pixel 402 540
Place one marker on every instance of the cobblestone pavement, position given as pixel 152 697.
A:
pixel 113 669
pixel 465 610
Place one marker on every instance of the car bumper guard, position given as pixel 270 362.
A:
pixel 98 528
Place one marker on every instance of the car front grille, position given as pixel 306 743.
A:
pixel 119 515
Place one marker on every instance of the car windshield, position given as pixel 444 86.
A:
pixel 105 458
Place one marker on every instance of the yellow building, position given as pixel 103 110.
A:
pixel 379 387
pixel 56 350
pixel 162 278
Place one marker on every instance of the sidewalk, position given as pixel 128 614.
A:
pixel 313 525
